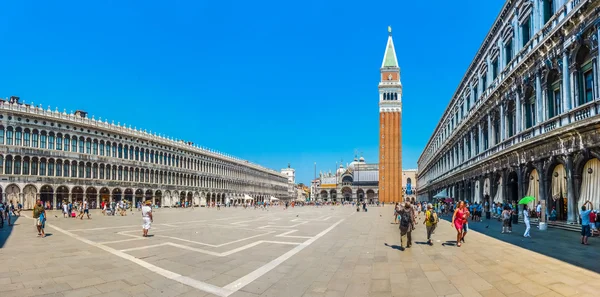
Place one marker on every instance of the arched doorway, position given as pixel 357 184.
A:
pixel 371 196
pixel 347 194
pixel 47 196
pixel 62 196
pixel 512 187
pixel 499 188
pixel 158 198
pixel 77 194
pixel 182 199
pixel 105 195
pixel 128 197
pixel 117 195
pixel 29 195
pixel 139 197
pixel 323 195
pixel 590 191
pixel 149 197
pixel 167 199
pixel 476 194
pixel 558 196
pixel 333 194
pixel 360 194
pixel 91 194
pixel 208 201
pixel 533 188
pixel 190 198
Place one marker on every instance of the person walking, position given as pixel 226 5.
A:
pixel 65 209
pixel 406 218
pixel 585 224
pixel 458 219
pixel 526 220
pixel 465 223
pixel 396 212
pixel 506 220
pixel 431 220
pixel 147 218
pixel 85 209
pixel 39 214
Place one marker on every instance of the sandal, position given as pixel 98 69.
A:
pixel 458 244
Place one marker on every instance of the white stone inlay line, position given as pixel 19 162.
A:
pixel 252 276
pixel 223 254
pixel 206 287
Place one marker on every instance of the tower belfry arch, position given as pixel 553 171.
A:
pixel 390 126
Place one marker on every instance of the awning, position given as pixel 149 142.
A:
pixel 274 199
pixel 247 197
pixel 442 194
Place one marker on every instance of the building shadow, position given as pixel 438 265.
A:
pixel 7 230
pixel 559 244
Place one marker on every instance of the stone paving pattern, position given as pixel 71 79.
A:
pixel 359 257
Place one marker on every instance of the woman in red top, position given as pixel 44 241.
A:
pixel 458 219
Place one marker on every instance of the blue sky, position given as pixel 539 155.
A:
pixel 273 82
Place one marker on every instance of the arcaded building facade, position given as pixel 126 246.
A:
pixel 524 120
pixel 56 157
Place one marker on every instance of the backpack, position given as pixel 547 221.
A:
pixel 404 218
pixel 432 217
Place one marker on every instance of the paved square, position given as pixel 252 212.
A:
pixel 306 251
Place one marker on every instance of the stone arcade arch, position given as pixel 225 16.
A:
pixel 590 185
pixel 558 191
pixel 47 196
pixel 158 198
pixel 139 197
pixel 77 194
pixel 347 194
pixel 91 195
pixel 105 195
pixel 29 194
pixel 117 195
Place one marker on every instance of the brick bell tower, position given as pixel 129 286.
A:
pixel 390 126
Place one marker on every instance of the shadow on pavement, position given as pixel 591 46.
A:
pixel 7 230
pixel 556 243
pixel 396 247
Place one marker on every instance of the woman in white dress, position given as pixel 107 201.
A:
pixel 147 217
pixel 526 220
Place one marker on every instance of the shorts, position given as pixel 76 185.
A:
pixel 86 211
pixel 585 230
pixel 38 222
pixel 465 227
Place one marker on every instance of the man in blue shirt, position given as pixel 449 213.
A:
pixel 585 224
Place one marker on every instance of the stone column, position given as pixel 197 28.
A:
pixel 598 57
pixel 538 98
pixel 480 131
pixel 502 123
pixel 490 134
pixel 465 155
pixel 53 201
pixel 566 83
pixel 472 143
pixel 518 105
pixel 519 186
pixel 543 181
pixel 572 214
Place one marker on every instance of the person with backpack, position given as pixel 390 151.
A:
pixel 406 218
pixel 506 219
pixel 431 220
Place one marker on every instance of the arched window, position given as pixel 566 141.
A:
pixel 59 166
pixel 9 136
pixel 8 165
pixel 81 169
pixel 88 170
pixel 120 151
pixel 59 142
pixel 51 140
pixel 67 142
pixel 81 145
pixel 126 152
pixel 66 166
pixel 95 147
pixel 43 167
pixel 51 167
pixel 585 76
pixel 102 148
pixel 88 146
pixel 26 166
pixel 74 168
pixel 553 97
pixel 18 136
pixel 1 134
pixel 17 164
pixel 74 144
pixel 34 166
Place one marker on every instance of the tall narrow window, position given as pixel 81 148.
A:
pixel 43 141
pixel 88 146
pixel 1 135
pixel 495 69
pixel 548 10
pixel 43 168
pixel 17 165
pixel 51 142
pixel 74 145
pixel 59 142
pixel 18 135
pixel 484 82
pixel 508 49
pixel 9 136
pixel 81 145
pixel 27 138
pixel 34 167
pixel 526 31
pixel 50 168
pixel 26 167
pixel 588 78
pixel 67 144
pixel 95 148
pixel 101 148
